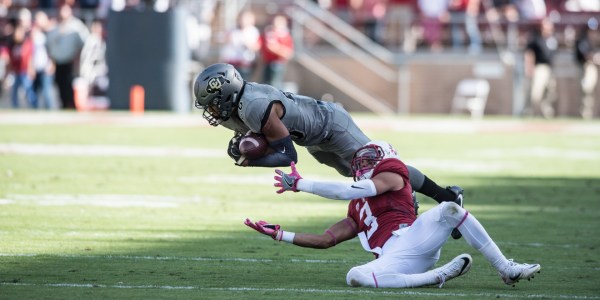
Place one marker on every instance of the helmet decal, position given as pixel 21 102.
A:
pixel 214 84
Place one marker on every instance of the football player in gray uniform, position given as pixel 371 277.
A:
pixel 324 128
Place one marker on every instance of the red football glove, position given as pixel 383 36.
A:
pixel 287 182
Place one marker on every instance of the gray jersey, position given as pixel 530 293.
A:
pixel 325 128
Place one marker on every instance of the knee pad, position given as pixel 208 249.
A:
pixel 452 213
pixel 358 277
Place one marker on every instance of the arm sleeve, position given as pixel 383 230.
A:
pixel 284 154
pixel 338 190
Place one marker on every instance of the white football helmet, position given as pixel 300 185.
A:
pixel 368 156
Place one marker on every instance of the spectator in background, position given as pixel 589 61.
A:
pixel 506 11
pixel 93 68
pixel 243 43
pixel 341 8
pixel 199 27
pixel 6 30
pixel 46 4
pixel 531 10
pixel 4 61
pixel 465 13
pixel 43 66
pixel 433 14
pixel 87 9
pixel 582 5
pixel 65 41
pixel 277 49
pixel 370 16
pixel 588 60
pixel 21 53
pixel 539 55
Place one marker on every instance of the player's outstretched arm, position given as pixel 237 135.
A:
pixel 332 190
pixel 337 233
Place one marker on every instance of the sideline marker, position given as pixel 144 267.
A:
pixel 136 100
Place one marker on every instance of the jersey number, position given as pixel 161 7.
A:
pixel 368 219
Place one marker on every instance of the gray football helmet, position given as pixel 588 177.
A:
pixel 216 91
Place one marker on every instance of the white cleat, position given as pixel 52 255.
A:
pixel 456 267
pixel 514 272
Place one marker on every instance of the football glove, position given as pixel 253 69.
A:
pixel 265 228
pixel 233 149
pixel 287 182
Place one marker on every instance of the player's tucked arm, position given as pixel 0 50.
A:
pixel 279 139
pixel 284 153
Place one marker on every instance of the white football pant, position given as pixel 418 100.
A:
pixel 408 256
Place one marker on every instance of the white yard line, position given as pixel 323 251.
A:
pixel 107 150
pixel 487 155
pixel 351 291
pixel 108 200
pixel 392 123
pixel 175 258
pixel 230 259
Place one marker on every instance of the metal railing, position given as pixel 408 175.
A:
pixel 306 15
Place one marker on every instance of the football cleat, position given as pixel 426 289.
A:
pixel 456 267
pixel 458 191
pixel 513 272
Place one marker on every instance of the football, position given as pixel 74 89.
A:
pixel 253 145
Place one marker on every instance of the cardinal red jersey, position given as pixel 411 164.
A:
pixel 378 216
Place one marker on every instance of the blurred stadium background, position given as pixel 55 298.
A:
pixel 162 44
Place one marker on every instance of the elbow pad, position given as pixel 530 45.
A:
pixel 337 190
pixel 284 154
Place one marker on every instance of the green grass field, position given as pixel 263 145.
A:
pixel 106 206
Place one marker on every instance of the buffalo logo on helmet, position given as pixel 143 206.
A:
pixel 214 84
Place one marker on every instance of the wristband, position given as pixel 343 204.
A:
pixel 285 236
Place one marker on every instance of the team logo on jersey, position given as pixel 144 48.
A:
pixel 214 84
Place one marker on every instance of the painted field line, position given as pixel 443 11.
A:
pixel 218 259
pixel 175 258
pixel 107 150
pixel 295 290
pixel 105 200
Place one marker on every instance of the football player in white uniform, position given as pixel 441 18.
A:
pixel 324 128
pixel 382 215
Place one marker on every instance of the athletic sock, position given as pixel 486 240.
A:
pixel 476 236
pixel 436 192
